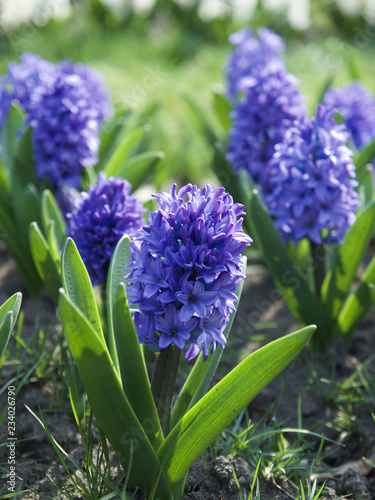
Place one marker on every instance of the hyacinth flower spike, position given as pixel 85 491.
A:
pixel 185 271
pixel 188 260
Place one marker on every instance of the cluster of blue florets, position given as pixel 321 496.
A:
pixel 303 166
pixel 312 182
pixel 269 105
pixel 65 104
pixel 250 53
pixel 356 105
pixel 99 218
pixel 185 268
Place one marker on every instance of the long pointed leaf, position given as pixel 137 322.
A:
pixel 77 284
pixel 217 409
pixel 123 151
pixel 356 305
pixel 346 260
pixel 201 375
pixel 137 167
pixel 109 403
pixel 8 316
pixel 9 138
pixel 51 211
pixel 365 156
pixel 222 108
pixel 126 350
pixel 44 262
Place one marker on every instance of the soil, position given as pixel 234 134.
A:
pixel 261 317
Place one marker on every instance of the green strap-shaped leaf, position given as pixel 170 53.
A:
pixel 77 284
pixel 23 258
pixel 52 212
pixel 303 304
pixel 356 305
pixel 44 262
pixel 112 410
pixel 227 177
pixel 220 406
pixel 122 152
pixel 365 156
pixel 346 260
pixel 201 120
pixel 125 348
pixel 9 138
pixel 23 167
pixel 137 167
pixel 200 377
pixel 222 108
pixel 5 332
pixel 366 186
pixel 372 293
pixel 8 315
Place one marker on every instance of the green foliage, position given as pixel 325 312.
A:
pixel 114 376
pixel 8 315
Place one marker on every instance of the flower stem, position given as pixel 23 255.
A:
pixel 163 383
pixel 318 256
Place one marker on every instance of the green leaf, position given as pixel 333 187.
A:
pixel 225 174
pixel 109 138
pixel 52 212
pixel 365 156
pixel 220 406
pixel 22 256
pixel 23 167
pixel 366 186
pixel 137 167
pixel 201 120
pixel 122 152
pixel 8 315
pixel 371 287
pixel 125 349
pixel 44 262
pixel 201 375
pixel 77 284
pixel 112 410
pixel 346 260
pixel 9 138
pixel 356 305
pixel 222 108
pixel 301 301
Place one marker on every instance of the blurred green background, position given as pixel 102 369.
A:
pixel 151 53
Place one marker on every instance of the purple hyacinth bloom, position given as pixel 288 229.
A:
pixel 270 104
pixel 251 53
pixel 312 181
pixel 100 218
pixel 185 267
pixel 23 82
pixel 356 105
pixel 65 104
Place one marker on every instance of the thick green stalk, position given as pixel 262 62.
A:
pixel 163 383
pixel 318 254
